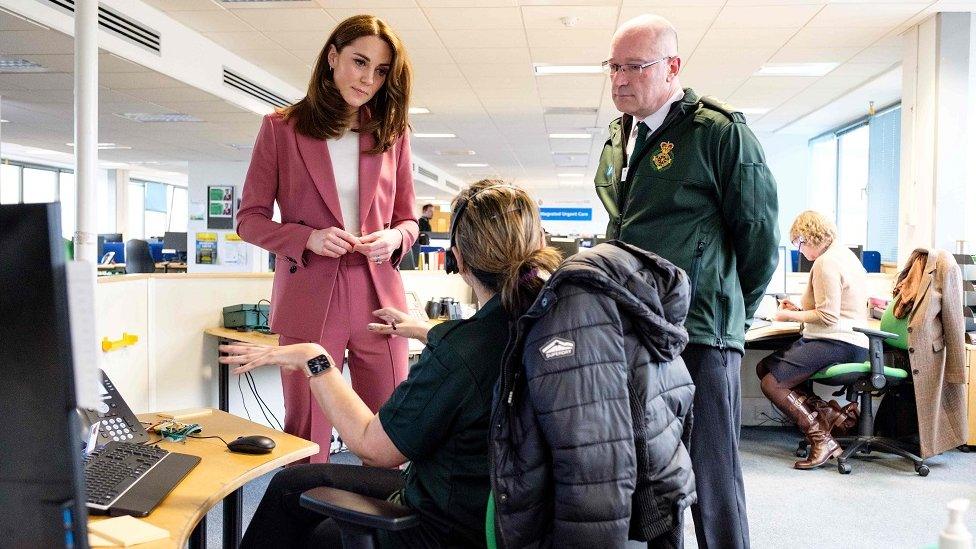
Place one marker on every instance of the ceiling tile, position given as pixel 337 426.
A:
pixel 681 17
pixel 299 40
pixel 419 39
pixel 466 56
pixel 746 37
pixel 210 21
pixel 837 38
pixel 866 15
pixel 570 55
pixel 583 17
pixel 399 18
pixel 310 19
pixel 365 5
pixel 40 80
pixel 241 41
pixel 466 3
pixel 772 16
pixel 138 80
pixel 498 38
pixel 579 38
pixel 431 56
pixel 793 54
pixel 474 18
pixel 183 5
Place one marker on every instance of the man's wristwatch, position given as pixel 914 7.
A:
pixel 317 366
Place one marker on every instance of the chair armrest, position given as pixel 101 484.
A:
pixel 350 507
pixel 876 339
pixel 875 333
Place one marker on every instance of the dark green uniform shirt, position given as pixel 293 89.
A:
pixel 438 418
pixel 700 195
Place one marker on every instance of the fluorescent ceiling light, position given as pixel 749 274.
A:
pixel 471 165
pixel 454 152
pixel 796 69
pixel 240 146
pixel 419 110
pixel 13 64
pixel 158 117
pixel 103 146
pixel 435 135
pixel 3 121
pixel 570 136
pixel 570 175
pixel 754 110
pixel 542 69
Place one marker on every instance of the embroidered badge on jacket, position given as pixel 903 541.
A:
pixel 557 347
pixel 662 156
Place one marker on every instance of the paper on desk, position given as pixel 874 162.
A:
pixel 84 342
pixel 123 531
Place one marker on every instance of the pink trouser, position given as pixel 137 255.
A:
pixel 377 363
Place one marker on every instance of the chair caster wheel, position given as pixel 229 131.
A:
pixel 922 470
pixel 843 468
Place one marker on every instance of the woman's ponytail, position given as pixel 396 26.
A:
pixel 523 281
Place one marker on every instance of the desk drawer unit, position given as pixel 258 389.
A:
pixel 971 392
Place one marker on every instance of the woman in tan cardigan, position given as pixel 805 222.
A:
pixel 833 304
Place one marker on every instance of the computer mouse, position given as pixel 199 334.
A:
pixel 254 444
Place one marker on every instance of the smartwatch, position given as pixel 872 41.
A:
pixel 317 366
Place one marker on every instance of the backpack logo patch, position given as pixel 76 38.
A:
pixel 557 348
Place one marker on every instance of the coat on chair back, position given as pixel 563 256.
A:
pixel 593 405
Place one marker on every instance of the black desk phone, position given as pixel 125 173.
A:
pixel 116 420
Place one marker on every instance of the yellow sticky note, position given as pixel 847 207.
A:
pixel 124 531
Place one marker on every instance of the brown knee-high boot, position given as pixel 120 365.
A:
pixel 835 420
pixel 792 403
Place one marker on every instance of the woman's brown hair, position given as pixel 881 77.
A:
pixel 499 238
pixel 323 113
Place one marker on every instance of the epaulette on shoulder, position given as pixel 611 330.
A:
pixel 721 106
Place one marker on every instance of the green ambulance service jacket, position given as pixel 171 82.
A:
pixel 698 194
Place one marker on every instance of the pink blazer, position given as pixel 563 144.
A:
pixel 296 171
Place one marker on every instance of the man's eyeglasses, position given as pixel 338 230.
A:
pixel 799 242
pixel 631 68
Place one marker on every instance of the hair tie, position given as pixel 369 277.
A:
pixel 529 275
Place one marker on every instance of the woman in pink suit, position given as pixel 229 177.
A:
pixel 338 165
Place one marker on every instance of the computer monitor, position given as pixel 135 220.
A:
pixel 174 243
pixel 777 284
pixel 42 501
pixel 566 246
pixel 111 237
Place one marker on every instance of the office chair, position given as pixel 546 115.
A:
pixel 861 380
pixel 359 517
pixel 138 259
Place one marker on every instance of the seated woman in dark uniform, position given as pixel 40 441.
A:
pixel 833 304
pixel 437 419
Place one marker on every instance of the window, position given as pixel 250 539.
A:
pixel 69 204
pixel 9 184
pixel 179 212
pixel 40 185
pixel 852 186
pixel 135 197
pixel 854 181
pixel 164 206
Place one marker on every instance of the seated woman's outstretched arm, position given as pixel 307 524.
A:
pixel 359 426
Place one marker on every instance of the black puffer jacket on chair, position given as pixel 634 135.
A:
pixel 593 406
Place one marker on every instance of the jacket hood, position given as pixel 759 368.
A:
pixel 649 289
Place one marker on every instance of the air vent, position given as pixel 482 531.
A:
pixel 117 24
pixel 13 64
pixel 427 173
pixel 157 117
pixel 452 185
pixel 260 93
pixel 564 160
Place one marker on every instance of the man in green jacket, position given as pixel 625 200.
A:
pixel 683 176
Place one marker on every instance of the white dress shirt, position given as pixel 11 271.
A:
pixel 653 121
pixel 344 153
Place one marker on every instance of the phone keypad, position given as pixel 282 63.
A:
pixel 117 429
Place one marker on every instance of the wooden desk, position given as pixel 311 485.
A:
pixel 219 476
pixel 229 335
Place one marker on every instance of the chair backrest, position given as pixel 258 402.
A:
pixel 137 257
pixel 890 323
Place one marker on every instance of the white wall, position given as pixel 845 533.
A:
pixel 788 158
pixel 199 176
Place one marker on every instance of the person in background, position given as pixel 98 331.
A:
pixel 425 216
pixel 337 163
pixel 832 305
pixel 438 418
pixel 682 176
